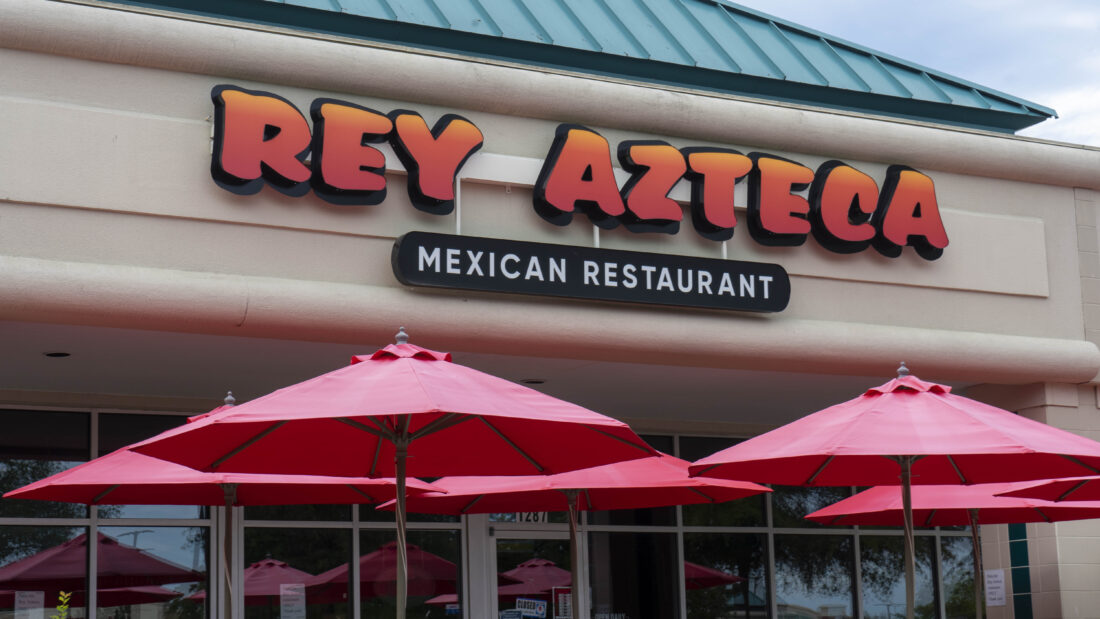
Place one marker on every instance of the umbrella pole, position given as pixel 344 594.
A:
pixel 401 453
pixel 574 550
pixel 230 493
pixel 979 581
pixel 910 554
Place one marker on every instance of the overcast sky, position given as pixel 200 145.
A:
pixel 1045 52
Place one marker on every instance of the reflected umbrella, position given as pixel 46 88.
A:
pixel 428 575
pixel 262 582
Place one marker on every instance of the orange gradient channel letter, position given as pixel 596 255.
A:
pixel 255 130
pixel 433 156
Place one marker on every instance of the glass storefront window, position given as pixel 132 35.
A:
pixel 542 567
pixel 633 575
pixel 726 575
pixel 303 513
pixel 310 550
pixel 747 512
pixel 814 576
pixel 882 571
pixel 38 563
pixel 433 567
pixel 37 444
pixel 790 504
pixel 153 571
pixel 957 563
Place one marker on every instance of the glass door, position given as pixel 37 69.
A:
pixel 533 576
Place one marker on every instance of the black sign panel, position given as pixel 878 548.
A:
pixel 497 265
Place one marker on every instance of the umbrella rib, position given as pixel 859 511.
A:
pixel 374 461
pixel 384 433
pixel 706 496
pixel 1075 488
pixel 928 520
pixel 442 423
pixel 537 466
pixel 466 509
pixel 99 497
pixel 962 478
pixel 819 470
pixel 619 438
pixel 368 497
pixel 1040 512
pixel 588 499
pixel 246 444
pixel 1079 463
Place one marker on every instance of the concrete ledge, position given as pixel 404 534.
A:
pixel 192 302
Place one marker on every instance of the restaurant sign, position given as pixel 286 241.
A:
pixel 262 139
pixel 497 265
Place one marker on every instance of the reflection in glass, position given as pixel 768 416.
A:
pixel 534 569
pixel 634 575
pixel 434 577
pixel 740 586
pixel 152 571
pixel 37 563
pixel 747 512
pixel 313 551
pixel 790 504
pixel 957 562
pixel 882 571
pixel 37 444
pixel 814 575
pixel 305 513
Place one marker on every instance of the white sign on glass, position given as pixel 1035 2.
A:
pixel 30 604
pixel 292 601
pixel 995 588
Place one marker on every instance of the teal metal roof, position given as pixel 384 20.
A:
pixel 708 44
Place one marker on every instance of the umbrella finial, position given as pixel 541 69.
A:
pixel 401 337
pixel 902 370
pixel 229 399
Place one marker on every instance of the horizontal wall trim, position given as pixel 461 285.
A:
pixel 48 291
pixel 243 53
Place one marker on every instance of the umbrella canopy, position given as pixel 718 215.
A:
pixel 428 575
pixel 954 440
pixel 263 580
pixel 455 421
pixel 903 432
pixel 64 567
pixel 123 596
pixel 125 477
pixel 1071 489
pixel 656 481
pixel 537 575
pixel 702 577
pixel 404 410
pixel 942 506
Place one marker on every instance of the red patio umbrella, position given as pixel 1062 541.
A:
pixel 123 596
pixel 647 482
pixel 262 581
pixel 942 506
pixel 702 577
pixel 64 567
pixel 906 431
pixel 1071 490
pixel 125 477
pixel 402 410
pixel 428 575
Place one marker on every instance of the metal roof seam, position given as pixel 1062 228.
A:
pixel 579 23
pixel 698 27
pixel 480 8
pixel 947 98
pixel 752 43
pixel 844 64
pixel 534 21
pixel 671 36
pixel 810 66
pixel 890 75
pixel 625 31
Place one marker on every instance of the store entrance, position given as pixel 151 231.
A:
pixel 532 563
